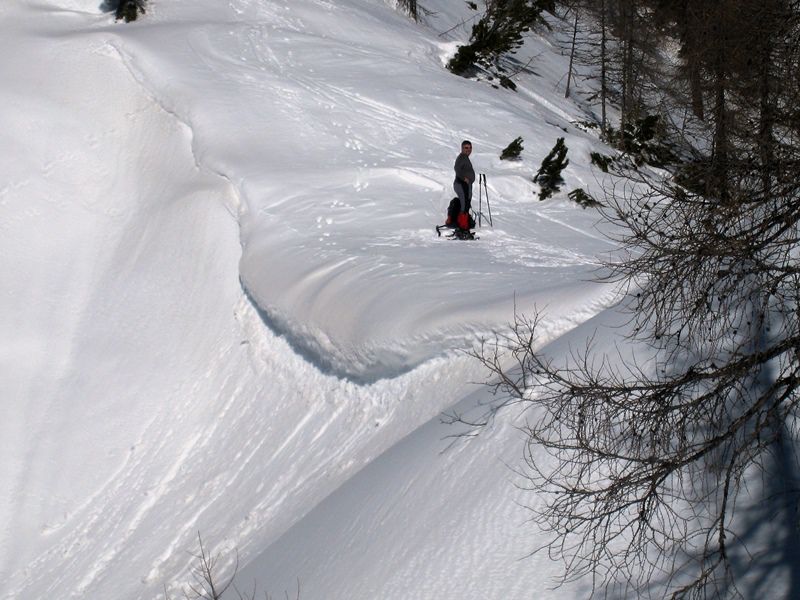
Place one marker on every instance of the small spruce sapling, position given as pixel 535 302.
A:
pixel 128 10
pixel 582 198
pixel 513 150
pixel 601 160
pixel 549 174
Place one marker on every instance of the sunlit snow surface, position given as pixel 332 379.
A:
pixel 224 303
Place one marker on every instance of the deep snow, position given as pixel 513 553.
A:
pixel 225 308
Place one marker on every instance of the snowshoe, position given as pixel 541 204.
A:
pixel 456 233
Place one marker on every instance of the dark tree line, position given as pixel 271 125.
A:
pixel 730 53
pixel 656 465
pixel 619 39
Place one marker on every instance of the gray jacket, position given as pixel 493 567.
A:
pixel 463 169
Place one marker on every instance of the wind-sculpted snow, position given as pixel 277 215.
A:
pixel 340 134
pixel 223 293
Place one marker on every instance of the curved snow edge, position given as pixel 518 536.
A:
pixel 362 365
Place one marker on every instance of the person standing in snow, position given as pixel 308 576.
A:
pixel 465 177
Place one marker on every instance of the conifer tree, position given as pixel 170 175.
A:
pixel 497 33
pixel 513 150
pixel 549 174
pixel 129 10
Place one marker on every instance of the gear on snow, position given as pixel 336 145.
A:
pixel 460 222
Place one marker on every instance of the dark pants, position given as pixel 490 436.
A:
pixel 464 192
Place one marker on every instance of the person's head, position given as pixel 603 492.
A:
pixel 466 147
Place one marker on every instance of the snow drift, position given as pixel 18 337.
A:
pixel 224 298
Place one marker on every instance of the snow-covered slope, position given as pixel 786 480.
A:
pixel 433 517
pixel 223 295
pixel 338 125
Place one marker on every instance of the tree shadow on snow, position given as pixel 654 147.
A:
pixel 763 541
pixel 765 559
pixel 771 529
pixel 770 526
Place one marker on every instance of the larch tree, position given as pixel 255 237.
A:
pixel 654 466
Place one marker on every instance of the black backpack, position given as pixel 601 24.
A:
pixel 452 214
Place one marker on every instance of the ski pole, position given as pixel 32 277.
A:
pixel 480 202
pixel 489 206
pixel 481 187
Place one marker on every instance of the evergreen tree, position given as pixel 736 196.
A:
pixel 549 174
pixel 129 10
pixel 497 33
pixel 513 150
pixel 582 198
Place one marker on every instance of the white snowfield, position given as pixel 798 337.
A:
pixel 225 309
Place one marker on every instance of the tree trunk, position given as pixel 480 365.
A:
pixel 627 64
pixel 721 152
pixel 572 53
pixel 603 74
pixel 690 26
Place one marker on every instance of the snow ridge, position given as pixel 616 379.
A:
pixel 226 296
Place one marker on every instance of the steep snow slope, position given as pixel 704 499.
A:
pixel 433 517
pixel 118 260
pixel 339 126
pixel 304 150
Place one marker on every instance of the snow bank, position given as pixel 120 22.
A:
pixel 339 127
pixel 223 294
